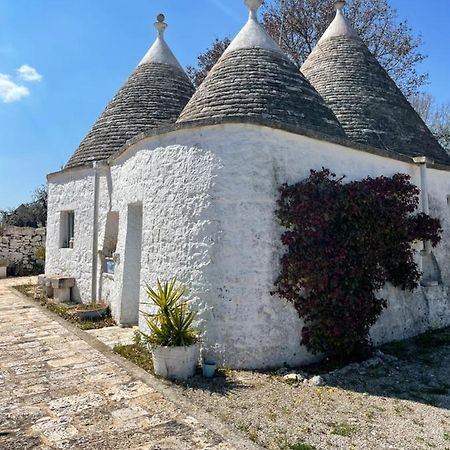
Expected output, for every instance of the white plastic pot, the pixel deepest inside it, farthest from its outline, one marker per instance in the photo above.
(177, 363)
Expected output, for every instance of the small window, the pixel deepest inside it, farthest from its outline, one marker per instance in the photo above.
(111, 233)
(110, 241)
(67, 229)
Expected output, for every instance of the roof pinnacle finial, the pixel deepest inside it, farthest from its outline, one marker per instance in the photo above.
(339, 5)
(160, 25)
(253, 6)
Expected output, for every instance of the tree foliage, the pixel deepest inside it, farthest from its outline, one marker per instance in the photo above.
(435, 115)
(32, 214)
(301, 23)
(344, 242)
(391, 41)
(206, 61)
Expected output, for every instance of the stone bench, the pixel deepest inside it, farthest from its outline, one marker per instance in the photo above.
(57, 286)
(3, 268)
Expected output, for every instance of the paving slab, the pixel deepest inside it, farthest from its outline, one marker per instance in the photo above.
(60, 388)
(112, 336)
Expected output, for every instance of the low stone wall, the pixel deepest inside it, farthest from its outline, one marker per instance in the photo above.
(18, 248)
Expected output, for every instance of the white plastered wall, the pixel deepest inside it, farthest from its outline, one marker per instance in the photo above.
(72, 191)
(209, 196)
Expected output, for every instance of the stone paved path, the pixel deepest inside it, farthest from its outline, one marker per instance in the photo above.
(112, 336)
(58, 392)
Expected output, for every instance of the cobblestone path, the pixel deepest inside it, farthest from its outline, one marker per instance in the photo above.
(58, 392)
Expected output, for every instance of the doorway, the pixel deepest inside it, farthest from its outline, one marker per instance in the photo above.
(131, 283)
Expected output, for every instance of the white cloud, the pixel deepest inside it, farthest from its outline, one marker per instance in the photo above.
(28, 73)
(11, 92)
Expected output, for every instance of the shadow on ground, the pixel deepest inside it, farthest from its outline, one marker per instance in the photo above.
(221, 384)
(415, 369)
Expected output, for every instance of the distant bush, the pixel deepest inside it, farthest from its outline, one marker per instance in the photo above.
(33, 214)
(40, 253)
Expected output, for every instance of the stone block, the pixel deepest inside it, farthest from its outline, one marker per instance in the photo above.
(62, 294)
(62, 282)
(2, 272)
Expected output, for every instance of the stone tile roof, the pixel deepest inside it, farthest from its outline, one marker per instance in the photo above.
(368, 104)
(154, 95)
(260, 83)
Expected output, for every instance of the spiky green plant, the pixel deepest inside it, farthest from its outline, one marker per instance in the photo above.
(171, 324)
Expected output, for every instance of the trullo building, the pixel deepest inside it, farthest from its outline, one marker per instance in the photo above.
(175, 182)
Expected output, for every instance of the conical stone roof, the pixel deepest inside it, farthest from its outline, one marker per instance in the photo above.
(154, 95)
(254, 78)
(368, 104)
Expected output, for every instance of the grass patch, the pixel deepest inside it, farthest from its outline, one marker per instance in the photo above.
(419, 347)
(65, 311)
(137, 354)
(344, 429)
(25, 289)
(302, 446)
(447, 437)
(93, 307)
(402, 409)
(433, 339)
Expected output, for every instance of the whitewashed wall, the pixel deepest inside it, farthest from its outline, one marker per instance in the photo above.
(71, 191)
(209, 196)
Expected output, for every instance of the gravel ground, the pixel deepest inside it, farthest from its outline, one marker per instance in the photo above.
(400, 399)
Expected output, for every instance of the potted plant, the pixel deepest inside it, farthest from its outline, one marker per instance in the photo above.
(172, 339)
(94, 311)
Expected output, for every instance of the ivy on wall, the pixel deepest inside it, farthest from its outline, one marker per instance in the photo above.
(344, 242)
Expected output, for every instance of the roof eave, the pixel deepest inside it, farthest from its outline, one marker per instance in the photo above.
(167, 129)
(275, 125)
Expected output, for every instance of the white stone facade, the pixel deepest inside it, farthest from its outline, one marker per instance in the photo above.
(208, 198)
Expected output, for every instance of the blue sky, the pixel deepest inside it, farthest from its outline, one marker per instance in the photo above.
(85, 49)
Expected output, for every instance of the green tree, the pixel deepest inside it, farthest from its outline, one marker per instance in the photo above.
(32, 214)
(435, 115)
(206, 61)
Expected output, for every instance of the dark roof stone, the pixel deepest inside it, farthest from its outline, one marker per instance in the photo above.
(260, 83)
(154, 95)
(368, 104)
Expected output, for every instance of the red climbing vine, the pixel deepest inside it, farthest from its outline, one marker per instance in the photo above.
(344, 242)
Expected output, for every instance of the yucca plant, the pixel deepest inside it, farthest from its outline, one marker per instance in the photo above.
(171, 324)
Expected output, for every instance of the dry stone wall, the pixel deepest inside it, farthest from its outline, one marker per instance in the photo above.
(18, 247)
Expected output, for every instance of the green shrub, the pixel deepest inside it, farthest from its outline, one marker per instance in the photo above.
(40, 253)
(171, 324)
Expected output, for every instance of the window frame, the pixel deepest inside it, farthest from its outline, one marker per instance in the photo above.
(67, 229)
